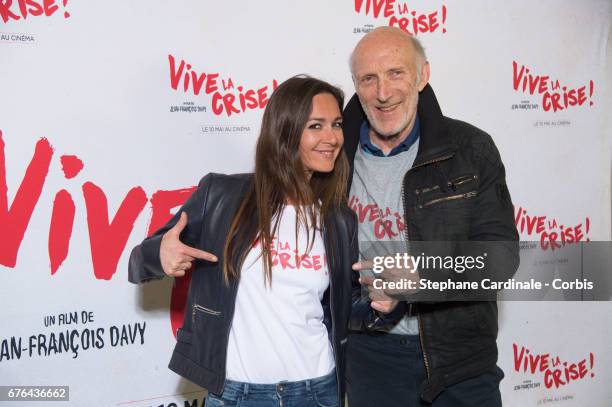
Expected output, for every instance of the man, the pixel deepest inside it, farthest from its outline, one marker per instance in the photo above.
(420, 176)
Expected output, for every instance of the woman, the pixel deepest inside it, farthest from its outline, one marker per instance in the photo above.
(267, 324)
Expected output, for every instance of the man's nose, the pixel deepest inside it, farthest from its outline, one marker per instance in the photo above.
(383, 90)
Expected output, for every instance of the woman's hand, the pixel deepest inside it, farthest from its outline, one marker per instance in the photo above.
(176, 257)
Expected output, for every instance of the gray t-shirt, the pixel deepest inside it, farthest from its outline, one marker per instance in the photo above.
(376, 198)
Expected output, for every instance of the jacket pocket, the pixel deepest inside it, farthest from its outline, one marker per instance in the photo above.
(450, 198)
(197, 308)
(452, 184)
(209, 332)
(464, 179)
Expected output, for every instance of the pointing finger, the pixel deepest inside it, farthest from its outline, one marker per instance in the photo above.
(199, 254)
(363, 265)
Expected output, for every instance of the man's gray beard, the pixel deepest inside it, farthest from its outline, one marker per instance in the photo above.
(382, 136)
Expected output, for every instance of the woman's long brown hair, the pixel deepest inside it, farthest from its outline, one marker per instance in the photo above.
(280, 177)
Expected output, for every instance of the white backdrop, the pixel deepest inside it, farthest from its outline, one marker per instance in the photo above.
(100, 84)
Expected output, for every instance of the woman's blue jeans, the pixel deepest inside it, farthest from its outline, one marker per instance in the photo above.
(317, 392)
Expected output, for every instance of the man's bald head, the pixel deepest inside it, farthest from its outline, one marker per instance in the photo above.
(389, 37)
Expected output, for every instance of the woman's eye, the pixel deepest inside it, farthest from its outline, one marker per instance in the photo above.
(314, 126)
(338, 125)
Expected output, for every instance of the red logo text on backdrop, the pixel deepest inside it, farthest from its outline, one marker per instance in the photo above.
(555, 95)
(556, 372)
(400, 14)
(226, 97)
(22, 9)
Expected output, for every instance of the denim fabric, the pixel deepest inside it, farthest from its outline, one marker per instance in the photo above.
(318, 392)
(388, 370)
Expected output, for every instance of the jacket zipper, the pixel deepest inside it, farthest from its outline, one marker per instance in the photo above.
(425, 357)
(466, 195)
(331, 308)
(205, 310)
(452, 183)
(433, 160)
(428, 189)
(463, 180)
(421, 338)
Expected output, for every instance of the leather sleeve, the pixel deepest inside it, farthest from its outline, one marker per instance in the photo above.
(492, 223)
(144, 264)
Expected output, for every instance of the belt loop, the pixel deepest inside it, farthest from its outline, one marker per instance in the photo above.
(308, 388)
(245, 389)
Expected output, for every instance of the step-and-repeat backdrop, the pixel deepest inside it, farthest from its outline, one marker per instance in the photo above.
(111, 111)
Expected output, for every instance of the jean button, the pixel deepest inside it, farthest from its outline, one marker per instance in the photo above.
(403, 341)
(280, 387)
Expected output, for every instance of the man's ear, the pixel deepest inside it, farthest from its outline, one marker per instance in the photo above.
(424, 75)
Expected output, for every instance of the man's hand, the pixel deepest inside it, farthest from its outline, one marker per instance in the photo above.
(177, 257)
(385, 300)
(380, 301)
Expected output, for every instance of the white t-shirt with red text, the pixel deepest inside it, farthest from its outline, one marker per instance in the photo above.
(277, 331)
